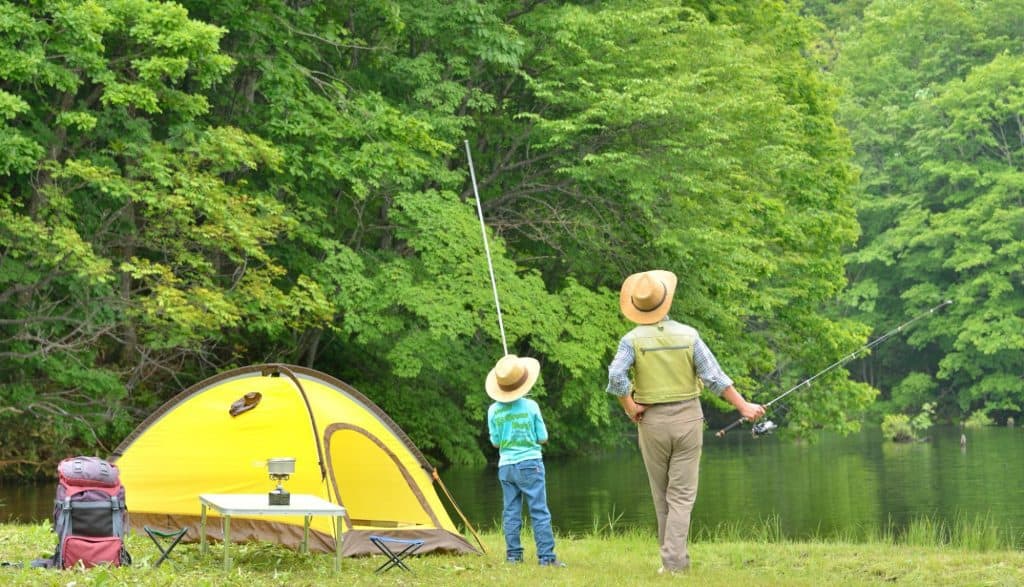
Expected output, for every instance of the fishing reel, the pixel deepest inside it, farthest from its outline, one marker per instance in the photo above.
(762, 428)
(765, 426)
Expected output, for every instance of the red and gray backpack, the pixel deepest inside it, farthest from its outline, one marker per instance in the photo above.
(89, 514)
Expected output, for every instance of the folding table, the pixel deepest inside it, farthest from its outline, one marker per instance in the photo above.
(257, 504)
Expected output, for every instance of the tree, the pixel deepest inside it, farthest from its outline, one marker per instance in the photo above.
(688, 139)
(934, 107)
(129, 237)
(220, 182)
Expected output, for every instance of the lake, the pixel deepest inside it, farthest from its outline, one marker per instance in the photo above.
(834, 486)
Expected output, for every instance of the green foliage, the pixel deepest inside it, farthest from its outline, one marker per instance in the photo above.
(909, 394)
(978, 419)
(896, 427)
(904, 428)
(135, 244)
(922, 421)
(684, 147)
(200, 184)
(934, 97)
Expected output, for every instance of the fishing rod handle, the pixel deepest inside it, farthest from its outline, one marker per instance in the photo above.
(723, 431)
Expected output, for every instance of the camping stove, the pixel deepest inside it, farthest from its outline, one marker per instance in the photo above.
(280, 469)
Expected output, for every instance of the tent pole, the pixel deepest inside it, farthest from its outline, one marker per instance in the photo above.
(309, 409)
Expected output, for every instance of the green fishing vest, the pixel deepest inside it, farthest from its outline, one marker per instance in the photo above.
(663, 370)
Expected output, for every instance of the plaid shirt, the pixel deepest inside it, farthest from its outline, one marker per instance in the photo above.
(708, 369)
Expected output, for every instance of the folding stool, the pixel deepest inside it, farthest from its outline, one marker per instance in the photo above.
(395, 556)
(174, 536)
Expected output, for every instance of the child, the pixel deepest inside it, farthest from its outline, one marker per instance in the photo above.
(517, 430)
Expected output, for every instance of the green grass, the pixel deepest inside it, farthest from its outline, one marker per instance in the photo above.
(971, 552)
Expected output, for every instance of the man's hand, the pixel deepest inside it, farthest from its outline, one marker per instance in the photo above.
(633, 410)
(638, 412)
(751, 412)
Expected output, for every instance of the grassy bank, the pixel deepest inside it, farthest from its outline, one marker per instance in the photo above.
(628, 558)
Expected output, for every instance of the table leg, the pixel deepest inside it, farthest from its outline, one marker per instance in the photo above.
(305, 536)
(227, 542)
(202, 530)
(337, 544)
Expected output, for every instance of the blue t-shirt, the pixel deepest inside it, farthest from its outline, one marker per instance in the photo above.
(517, 429)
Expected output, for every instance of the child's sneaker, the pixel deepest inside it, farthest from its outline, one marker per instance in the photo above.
(554, 562)
(513, 560)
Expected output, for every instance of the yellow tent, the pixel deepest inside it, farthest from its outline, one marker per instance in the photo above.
(216, 437)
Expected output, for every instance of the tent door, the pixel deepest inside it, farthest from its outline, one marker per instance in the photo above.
(371, 477)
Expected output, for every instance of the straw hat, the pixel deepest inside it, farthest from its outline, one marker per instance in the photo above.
(511, 378)
(646, 297)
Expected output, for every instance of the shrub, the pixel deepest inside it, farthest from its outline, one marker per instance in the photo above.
(903, 428)
(896, 427)
(978, 419)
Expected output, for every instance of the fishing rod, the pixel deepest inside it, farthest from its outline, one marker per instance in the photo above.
(487, 249)
(767, 426)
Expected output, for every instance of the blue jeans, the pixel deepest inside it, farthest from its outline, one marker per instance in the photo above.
(526, 480)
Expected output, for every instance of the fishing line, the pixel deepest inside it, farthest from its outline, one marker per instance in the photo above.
(840, 362)
(487, 248)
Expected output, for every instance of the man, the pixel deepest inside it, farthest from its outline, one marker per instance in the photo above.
(671, 365)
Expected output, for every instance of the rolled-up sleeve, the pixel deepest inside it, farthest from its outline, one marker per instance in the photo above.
(618, 371)
(708, 369)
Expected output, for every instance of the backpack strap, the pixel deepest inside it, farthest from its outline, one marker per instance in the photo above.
(62, 526)
(115, 508)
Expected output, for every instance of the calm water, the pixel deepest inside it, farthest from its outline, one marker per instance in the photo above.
(835, 485)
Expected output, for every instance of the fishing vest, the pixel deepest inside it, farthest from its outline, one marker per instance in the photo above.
(663, 369)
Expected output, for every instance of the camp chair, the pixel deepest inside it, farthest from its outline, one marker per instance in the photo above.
(395, 556)
(159, 537)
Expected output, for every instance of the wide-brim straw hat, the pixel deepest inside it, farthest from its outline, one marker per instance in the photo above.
(646, 297)
(512, 377)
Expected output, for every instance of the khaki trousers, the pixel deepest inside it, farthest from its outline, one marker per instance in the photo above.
(671, 437)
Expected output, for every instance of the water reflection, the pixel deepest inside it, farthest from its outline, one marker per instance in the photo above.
(854, 486)
(812, 489)
(26, 503)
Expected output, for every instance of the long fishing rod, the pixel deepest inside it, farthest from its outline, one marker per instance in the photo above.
(840, 362)
(487, 248)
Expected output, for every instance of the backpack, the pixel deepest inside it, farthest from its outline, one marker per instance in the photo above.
(89, 514)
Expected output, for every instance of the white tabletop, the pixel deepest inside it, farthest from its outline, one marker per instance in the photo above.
(259, 504)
